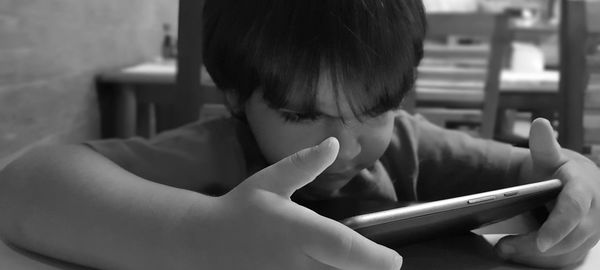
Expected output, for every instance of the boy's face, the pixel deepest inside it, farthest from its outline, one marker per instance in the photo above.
(282, 132)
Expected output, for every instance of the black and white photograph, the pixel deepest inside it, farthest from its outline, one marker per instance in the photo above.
(299, 134)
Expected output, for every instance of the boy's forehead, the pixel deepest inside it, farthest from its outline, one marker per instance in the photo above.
(329, 104)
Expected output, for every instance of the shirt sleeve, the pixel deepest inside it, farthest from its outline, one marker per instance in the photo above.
(452, 163)
(206, 159)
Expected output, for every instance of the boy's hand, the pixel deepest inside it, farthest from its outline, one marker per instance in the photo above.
(573, 226)
(256, 226)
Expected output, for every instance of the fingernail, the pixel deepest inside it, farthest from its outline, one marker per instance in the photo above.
(507, 249)
(398, 262)
(544, 244)
(327, 142)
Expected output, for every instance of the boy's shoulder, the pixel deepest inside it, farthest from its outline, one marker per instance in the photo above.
(208, 130)
(211, 149)
(198, 136)
(413, 125)
(428, 137)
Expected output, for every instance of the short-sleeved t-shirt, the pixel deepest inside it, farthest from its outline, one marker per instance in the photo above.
(422, 162)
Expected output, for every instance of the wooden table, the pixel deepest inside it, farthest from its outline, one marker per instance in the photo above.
(139, 100)
(461, 252)
(472, 250)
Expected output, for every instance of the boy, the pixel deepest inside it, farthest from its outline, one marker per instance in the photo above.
(296, 73)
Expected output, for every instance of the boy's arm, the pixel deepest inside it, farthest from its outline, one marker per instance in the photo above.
(73, 204)
(573, 226)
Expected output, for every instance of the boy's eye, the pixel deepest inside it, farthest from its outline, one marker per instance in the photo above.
(296, 117)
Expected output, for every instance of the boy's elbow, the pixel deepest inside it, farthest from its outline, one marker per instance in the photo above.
(18, 182)
(12, 182)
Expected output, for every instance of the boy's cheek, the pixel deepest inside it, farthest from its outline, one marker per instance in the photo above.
(275, 148)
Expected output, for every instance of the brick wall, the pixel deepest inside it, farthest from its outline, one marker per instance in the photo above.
(50, 51)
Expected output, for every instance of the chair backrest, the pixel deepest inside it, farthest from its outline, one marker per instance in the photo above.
(464, 68)
(580, 36)
(189, 62)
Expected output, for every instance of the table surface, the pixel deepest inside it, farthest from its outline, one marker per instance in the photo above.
(150, 72)
(164, 72)
(457, 252)
(468, 251)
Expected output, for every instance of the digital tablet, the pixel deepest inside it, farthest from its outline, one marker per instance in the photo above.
(401, 223)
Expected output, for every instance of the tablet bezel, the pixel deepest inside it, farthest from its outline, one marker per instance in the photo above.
(435, 207)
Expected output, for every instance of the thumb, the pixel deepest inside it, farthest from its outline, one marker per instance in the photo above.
(513, 247)
(545, 150)
(296, 170)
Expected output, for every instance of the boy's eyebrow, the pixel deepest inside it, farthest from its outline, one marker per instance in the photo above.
(318, 112)
(300, 112)
(377, 110)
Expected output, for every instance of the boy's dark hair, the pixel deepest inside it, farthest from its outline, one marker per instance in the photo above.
(283, 46)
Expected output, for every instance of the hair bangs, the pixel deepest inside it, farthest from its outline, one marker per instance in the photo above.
(369, 49)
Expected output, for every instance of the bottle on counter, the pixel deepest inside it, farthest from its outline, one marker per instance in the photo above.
(169, 45)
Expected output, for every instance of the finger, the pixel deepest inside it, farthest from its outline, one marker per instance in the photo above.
(341, 247)
(297, 170)
(572, 206)
(545, 150)
(366, 254)
(510, 246)
(524, 252)
(317, 265)
(577, 237)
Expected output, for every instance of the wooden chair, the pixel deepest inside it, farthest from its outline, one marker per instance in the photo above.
(138, 102)
(189, 61)
(580, 36)
(192, 96)
(460, 83)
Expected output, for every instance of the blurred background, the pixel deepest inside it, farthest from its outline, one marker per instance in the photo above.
(50, 53)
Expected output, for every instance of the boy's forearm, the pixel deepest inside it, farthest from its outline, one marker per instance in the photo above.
(80, 207)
